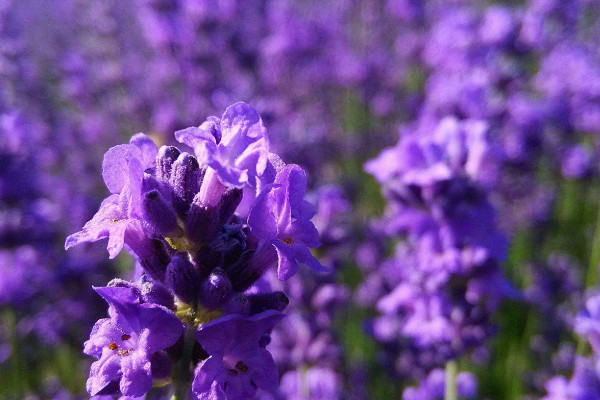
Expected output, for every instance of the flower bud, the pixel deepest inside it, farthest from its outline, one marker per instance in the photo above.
(229, 202)
(182, 277)
(156, 293)
(215, 290)
(231, 242)
(153, 254)
(242, 274)
(201, 222)
(185, 181)
(267, 301)
(159, 213)
(164, 161)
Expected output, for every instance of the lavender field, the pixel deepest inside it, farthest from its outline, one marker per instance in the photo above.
(299, 199)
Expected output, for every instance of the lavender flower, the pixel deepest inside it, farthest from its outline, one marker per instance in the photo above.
(197, 257)
(279, 217)
(126, 342)
(237, 365)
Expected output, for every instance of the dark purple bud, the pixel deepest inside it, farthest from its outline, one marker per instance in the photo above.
(159, 213)
(215, 290)
(231, 242)
(155, 262)
(267, 301)
(164, 161)
(185, 181)
(264, 340)
(151, 183)
(183, 278)
(157, 293)
(237, 304)
(207, 259)
(242, 274)
(202, 222)
(123, 283)
(229, 202)
(160, 365)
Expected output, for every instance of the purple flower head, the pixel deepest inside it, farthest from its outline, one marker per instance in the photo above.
(126, 342)
(280, 217)
(123, 172)
(237, 365)
(432, 387)
(236, 146)
(587, 323)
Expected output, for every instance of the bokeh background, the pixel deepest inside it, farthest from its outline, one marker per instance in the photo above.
(336, 83)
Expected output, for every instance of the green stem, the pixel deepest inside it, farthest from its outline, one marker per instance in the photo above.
(451, 373)
(592, 272)
(182, 377)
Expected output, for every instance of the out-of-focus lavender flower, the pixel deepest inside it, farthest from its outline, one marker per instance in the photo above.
(442, 286)
(432, 387)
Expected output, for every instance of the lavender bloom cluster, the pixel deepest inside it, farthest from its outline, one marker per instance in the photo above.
(444, 282)
(585, 381)
(203, 229)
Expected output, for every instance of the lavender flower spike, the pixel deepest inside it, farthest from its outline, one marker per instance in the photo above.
(235, 147)
(125, 343)
(237, 365)
(279, 217)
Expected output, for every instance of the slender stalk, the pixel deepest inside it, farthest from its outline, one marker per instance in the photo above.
(451, 373)
(592, 272)
(182, 377)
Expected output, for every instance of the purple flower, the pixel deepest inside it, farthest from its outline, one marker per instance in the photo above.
(236, 147)
(587, 322)
(123, 172)
(280, 217)
(237, 365)
(432, 387)
(125, 343)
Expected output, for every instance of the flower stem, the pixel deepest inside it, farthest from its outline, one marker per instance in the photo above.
(182, 376)
(451, 372)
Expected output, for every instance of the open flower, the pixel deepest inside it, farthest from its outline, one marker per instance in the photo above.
(237, 365)
(123, 171)
(125, 343)
(280, 217)
(236, 146)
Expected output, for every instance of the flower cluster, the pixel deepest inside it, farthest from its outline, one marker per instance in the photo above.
(585, 382)
(444, 282)
(203, 229)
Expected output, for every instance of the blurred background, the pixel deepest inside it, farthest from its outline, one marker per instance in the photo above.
(336, 83)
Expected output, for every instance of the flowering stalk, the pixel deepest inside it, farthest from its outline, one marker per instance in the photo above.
(451, 373)
(196, 306)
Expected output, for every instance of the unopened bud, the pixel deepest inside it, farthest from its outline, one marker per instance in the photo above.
(215, 290)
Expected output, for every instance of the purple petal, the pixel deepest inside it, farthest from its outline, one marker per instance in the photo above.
(264, 371)
(205, 374)
(115, 165)
(244, 144)
(304, 256)
(236, 331)
(163, 326)
(147, 147)
(124, 306)
(137, 375)
(261, 218)
(101, 336)
(103, 372)
(303, 231)
(286, 254)
(99, 226)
